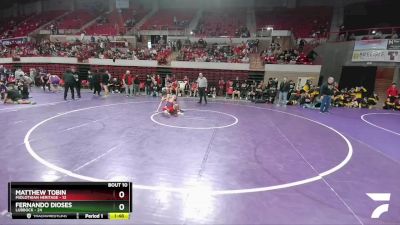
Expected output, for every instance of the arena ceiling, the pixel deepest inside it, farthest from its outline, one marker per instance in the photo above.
(7, 3)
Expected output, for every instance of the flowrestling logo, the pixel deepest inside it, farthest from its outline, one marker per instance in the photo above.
(380, 197)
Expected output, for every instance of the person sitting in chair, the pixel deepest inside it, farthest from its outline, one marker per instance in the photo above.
(236, 90)
(194, 89)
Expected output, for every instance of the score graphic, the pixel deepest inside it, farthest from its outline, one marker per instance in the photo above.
(70, 200)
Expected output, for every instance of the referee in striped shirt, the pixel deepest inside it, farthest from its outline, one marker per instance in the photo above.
(202, 84)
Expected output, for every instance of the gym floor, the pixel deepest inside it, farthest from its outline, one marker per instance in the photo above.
(227, 162)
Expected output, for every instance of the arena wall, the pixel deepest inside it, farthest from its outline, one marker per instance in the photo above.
(335, 55)
(297, 73)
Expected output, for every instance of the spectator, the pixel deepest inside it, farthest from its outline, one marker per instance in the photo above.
(236, 88)
(284, 87)
(19, 72)
(326, 95)
(221, 85)
(105, 80)
(136, 84)
(148, 84)
(127, 81)
(97, 82)
(90, 79)
(392, 91)
(33, 74)
(245, 59)
(114, 85)
(78, 82)
(3, 89)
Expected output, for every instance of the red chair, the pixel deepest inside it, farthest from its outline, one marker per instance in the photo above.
(85, 84)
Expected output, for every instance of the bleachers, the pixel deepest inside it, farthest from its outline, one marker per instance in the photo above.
(8, 24)
(227, 54)
(115, 22)
(304, 22)
(25, 25)
(33, 22)
(164, 19)
(221, 23)
(76, 19)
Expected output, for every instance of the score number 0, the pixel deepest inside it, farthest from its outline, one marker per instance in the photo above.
(121, 195)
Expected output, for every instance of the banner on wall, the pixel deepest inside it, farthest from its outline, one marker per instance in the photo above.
(375, 44)
(379, 50)
(393, 44)
(14, 41)
(376, 56)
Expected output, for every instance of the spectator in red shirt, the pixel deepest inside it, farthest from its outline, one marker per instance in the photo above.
(127, 81)
(392, 91)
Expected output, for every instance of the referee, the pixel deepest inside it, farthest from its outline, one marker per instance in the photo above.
(202, 84)
(69, 83)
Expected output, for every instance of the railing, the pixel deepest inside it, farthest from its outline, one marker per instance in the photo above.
(347, 35)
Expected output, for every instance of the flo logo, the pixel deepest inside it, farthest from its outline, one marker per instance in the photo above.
(380, 197)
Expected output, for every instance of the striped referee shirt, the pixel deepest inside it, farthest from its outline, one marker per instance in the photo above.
(202, 82)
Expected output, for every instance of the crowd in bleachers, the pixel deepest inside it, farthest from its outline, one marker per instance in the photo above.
(46, 48)
(201, 51)
(7, 25)
(102, 49)
(274, 54)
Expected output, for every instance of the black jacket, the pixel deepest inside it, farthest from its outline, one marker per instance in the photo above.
(96, 78)
(136, 81)
(284, 86)
(326, 89)
(69, 78)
